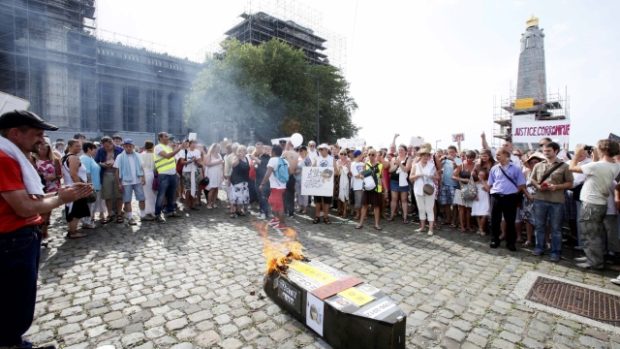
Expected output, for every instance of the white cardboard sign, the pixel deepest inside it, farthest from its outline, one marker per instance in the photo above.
(532, 131)
(317, 181)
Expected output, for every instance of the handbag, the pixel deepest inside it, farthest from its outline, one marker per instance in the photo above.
(469, 191)
(155, 185)
(428, 189)
(369, 179)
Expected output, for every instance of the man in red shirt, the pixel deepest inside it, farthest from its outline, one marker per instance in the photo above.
(21, 203)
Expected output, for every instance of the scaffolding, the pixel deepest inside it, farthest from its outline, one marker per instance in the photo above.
(556, 107)
(51, 56)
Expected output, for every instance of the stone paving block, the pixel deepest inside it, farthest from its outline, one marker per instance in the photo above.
(207, 339)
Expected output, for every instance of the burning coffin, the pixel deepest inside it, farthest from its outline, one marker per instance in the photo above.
(344, 310)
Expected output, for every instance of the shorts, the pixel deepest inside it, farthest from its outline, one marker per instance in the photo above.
(276, 200)
(372, 198)
(133, 188)
(79, 209)
(398, 189)
(446, 195)
(327, 200)
(109, 188)
(358, 196)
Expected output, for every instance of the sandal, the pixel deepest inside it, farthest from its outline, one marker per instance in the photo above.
(75, 235)
(326, 220)
(405, 221)
(391, 219)
(106, 220)
(359, 226)
(316, 220)
(120, 219)
(378, 227)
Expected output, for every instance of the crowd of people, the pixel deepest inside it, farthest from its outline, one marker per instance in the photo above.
(535, 198)
(516, 196)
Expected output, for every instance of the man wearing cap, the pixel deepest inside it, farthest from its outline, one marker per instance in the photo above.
(22, 202)
(165, 165)
(130, 179)
(551, 178)
(110, 192)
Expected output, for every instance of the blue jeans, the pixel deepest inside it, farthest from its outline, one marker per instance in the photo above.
(19, 267)
(167, 188)
(552, 213)
(262, 198)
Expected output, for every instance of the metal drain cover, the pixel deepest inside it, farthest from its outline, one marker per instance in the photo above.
(582, 301)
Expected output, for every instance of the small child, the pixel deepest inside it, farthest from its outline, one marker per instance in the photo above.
(480, 207)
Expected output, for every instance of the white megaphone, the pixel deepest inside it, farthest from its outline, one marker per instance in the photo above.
(297, 139)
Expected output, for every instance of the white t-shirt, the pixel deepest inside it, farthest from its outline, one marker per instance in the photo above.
(158, 149)
(356, 169)
(428, 173)
(274, 183)
(134, 162)
(599, 176)
(579, 178)
(191, 155)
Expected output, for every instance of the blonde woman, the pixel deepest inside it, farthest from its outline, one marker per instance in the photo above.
(214, 170)
(424, 172)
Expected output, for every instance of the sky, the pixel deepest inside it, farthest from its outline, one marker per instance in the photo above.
(425, 68)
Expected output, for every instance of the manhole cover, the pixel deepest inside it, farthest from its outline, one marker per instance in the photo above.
(586, 302)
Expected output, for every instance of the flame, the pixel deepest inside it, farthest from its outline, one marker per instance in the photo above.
(278, 254)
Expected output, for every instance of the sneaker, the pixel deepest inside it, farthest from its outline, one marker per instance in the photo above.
(419, 230)
(616, 281)
(581, 259)
(262, 216)
(537, 252)
(148, 217)
(430, 233)
(554, 258)
(160, 219)
(131, 221)
(588, 265)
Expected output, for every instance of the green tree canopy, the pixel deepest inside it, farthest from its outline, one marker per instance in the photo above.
(266, 91)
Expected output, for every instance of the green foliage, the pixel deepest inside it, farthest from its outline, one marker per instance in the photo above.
(269, 90)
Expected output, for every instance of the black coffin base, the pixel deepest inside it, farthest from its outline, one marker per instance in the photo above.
(342, 328)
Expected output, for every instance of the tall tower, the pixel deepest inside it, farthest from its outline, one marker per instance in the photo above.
(532, 81)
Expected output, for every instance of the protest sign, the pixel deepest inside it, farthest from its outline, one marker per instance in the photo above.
(317, 181)
(9, 102)
(351, 143)
(524, 131)
(416, 141)
(459, 137)
(613, 137)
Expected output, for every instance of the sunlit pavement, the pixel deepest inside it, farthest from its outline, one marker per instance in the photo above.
(196, 282)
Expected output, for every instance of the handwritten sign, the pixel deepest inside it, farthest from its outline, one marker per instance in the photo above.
(533, 131)
(459, 137)
(317, 181)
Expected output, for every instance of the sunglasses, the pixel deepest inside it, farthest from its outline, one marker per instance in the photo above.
(372, 154)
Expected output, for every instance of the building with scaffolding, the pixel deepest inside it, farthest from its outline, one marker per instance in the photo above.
(49, 55)
(531, 102)
(260, 27)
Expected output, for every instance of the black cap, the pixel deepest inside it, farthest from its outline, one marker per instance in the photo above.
(17, 118)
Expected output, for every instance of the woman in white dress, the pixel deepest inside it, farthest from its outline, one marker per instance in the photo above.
(150, 196)
(344, 167)
(214, 170)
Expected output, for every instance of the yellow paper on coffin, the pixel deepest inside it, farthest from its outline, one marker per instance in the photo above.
(312, 272)
(356, 296)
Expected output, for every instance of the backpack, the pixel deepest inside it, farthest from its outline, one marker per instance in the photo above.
(281, 171)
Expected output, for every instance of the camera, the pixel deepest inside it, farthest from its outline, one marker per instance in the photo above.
(588, 148)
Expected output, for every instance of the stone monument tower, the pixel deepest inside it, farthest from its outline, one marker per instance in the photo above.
(532, 82)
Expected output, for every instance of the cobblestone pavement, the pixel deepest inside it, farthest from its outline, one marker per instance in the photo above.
(196, 282)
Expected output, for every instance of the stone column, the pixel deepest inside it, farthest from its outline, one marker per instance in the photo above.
(118, 107)
(141, 109)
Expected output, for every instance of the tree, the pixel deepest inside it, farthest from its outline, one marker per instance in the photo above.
(267, 91)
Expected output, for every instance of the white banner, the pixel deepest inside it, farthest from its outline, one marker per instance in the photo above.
(9, 103)
(317, 181)
(532, 131)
